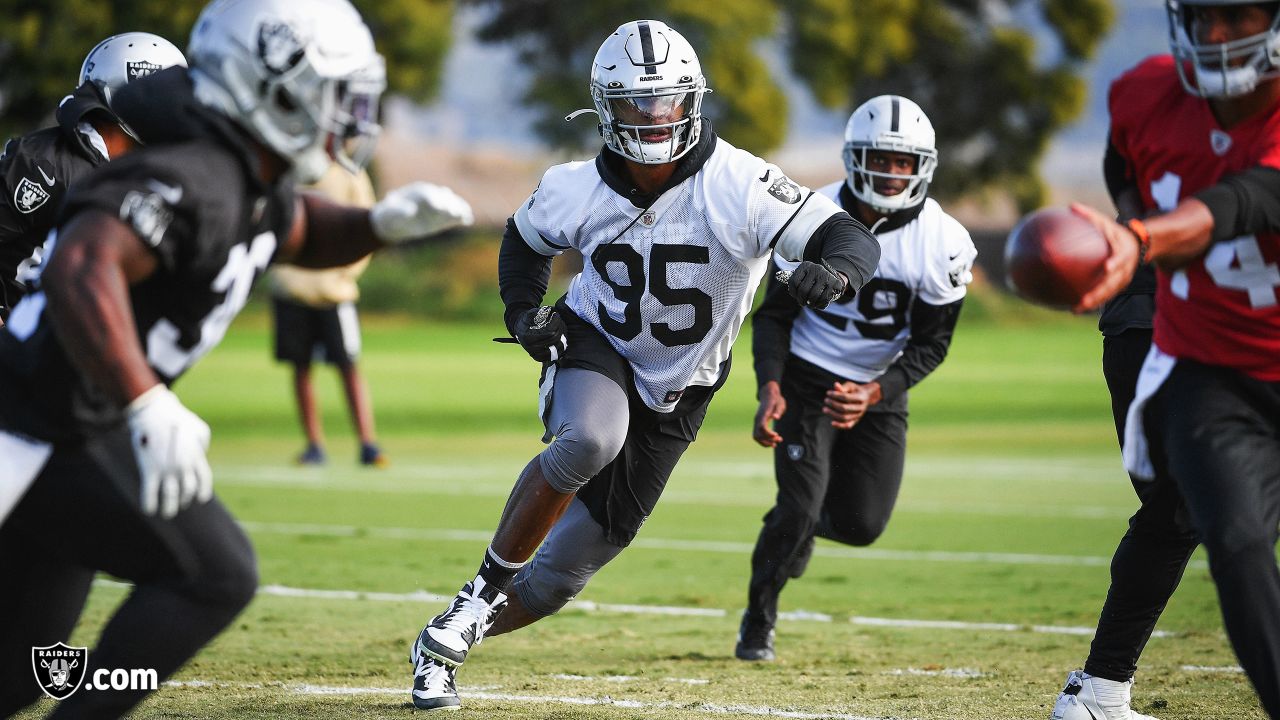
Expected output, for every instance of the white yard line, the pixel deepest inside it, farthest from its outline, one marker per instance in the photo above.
(1213, 668)
(711, 546)
(421, 596)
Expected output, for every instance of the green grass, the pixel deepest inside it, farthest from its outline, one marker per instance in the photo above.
(1012, 482)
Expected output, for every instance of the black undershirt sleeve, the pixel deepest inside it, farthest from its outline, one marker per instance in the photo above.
(771, 330)
(847, 246)
(1118, 175)
(523, 275)
(931, 329)
(1245, 203)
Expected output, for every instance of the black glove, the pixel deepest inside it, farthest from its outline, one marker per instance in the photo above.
(541, 333)
(815, 285)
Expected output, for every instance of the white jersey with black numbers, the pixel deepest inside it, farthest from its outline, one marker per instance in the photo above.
(670, 285)
(930, 259)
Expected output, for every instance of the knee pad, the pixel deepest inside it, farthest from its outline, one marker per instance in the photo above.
(577, 455)
(856, 531)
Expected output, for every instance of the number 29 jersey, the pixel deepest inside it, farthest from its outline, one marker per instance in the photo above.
(1221, 308)
(669, 285)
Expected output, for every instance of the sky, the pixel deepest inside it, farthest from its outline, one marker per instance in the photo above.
(483, 109)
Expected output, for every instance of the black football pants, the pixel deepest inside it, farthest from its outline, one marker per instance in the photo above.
(837, 484)
(1149, 561)
(192, 575)
(1221, 431)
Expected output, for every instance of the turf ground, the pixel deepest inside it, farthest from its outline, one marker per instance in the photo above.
(976, 602)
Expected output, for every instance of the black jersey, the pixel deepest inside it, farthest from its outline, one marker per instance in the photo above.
(36, 170)
(193, 196)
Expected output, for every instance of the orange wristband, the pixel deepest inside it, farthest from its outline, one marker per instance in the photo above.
(1139, 229)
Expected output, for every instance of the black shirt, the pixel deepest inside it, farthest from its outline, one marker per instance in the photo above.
(193, 196)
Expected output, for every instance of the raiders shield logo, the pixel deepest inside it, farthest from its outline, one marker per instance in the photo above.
(59, 669)
(795, 451)
(29, 196)
(785, 190)
(279, 47)
(141, 68)
(1219, 141)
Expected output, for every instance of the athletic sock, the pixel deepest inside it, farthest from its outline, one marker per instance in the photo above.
(496, 572)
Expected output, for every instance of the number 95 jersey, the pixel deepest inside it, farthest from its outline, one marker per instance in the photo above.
(927, 259)
(669, 285)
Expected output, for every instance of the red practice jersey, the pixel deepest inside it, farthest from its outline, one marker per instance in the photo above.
(1222, 308)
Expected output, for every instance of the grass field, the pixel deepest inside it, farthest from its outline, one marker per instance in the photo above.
(975, 603)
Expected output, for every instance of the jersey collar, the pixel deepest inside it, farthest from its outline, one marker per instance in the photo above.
(890, 223)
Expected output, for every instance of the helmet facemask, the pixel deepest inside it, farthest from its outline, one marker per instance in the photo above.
(651, 126)
(862, 179)
(1221, 70)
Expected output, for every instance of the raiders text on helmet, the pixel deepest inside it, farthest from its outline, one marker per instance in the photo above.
(1226, 69)
(894, 124)
(303, 78)
(647, 87)
(126, 57)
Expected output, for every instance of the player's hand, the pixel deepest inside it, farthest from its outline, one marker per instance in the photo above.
(847, 402)
(1120, 266)
(169, 442)
(772, 407)
(542, 334)
(417, 210)
(815, 284)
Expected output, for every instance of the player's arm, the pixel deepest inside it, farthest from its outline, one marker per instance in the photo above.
(328, 234)
(847, 247)
(770, 345)
(523, 276)
(87, 285)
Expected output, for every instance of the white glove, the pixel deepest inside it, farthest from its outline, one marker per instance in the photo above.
(417, 210)
(169, 442)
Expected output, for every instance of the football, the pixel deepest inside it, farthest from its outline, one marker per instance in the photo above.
(1053, 256)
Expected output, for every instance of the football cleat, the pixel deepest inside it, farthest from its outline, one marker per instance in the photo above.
(313, 455)
(452, 633)
(1086, 697)
(755, 640)
(434, 683)
(371, 456)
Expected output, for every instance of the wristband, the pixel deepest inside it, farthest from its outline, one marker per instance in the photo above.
(1140, 231)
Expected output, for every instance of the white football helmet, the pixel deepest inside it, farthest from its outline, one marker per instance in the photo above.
(894, 124)
(1215, 68)
(303, 78)
(647, 87)
(125, 57)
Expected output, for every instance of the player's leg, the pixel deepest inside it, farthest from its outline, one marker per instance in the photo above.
(192, 574)
(42, 600)
(801, 468)
(589, 420)
(1149, 560)
(294, 344)
(341, 333)
(1221, 434)
(866, 475)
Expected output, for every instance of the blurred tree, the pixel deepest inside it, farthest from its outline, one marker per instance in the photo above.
(43, 43)
(557, 39)
(994, 97)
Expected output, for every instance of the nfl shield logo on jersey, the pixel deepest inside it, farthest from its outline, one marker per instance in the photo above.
(1219, 141)
(59, 669)
(29, 196)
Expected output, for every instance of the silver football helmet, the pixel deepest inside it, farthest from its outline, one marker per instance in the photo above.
(126, 57)
(1221, 70)
(303, 78)
(890, 123)
(647, 87)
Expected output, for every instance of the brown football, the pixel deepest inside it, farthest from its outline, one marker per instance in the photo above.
(1053, 257)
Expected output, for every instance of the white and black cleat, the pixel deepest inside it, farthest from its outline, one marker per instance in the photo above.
(451, 634)
(435, 684)
(1086, 697)
(755, 640)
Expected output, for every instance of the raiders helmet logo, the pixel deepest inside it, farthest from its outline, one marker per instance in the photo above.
(279, 47)
(138, 69)
(785, 190)
(59, 669)
(29, 196)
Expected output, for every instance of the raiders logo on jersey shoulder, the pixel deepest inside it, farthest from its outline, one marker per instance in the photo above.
(785, 190)
(29, 196)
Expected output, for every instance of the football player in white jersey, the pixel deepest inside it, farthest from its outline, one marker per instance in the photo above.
(676, 227)
(835, 380)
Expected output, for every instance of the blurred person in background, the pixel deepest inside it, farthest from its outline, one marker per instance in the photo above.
(833, 382)
(314, 314)
(36, 169)
(102, 467)
(1193, 166)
